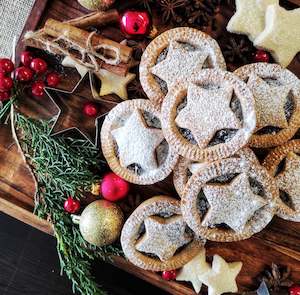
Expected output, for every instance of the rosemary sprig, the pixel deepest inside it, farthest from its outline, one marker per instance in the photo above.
(62, 167)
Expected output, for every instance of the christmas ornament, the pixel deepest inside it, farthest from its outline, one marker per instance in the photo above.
(135, 23)
(294, 290)
(26, 58)
(261, 56)
(169, 275)
(71, 205)
(96, 189)
(96, 4)
(5, 95)
(37, 88)
(193, 269)
(53, 79)
(38, 65)
(6, 66)
(90, 109)
(113, 187)
(24, 74)
(100, 222)
(6, 83)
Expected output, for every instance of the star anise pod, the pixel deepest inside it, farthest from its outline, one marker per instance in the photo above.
(136, 90)
(169, 9)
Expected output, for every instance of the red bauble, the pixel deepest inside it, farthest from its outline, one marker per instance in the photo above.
(135, 23)
(90, 109)
(261, 56)
(71, 205)
(6, 66)
(37, 88)
(53, 79)
(6, 83)
(294, 290)
(26, 58)
(113, 187)
(4, 95)
(38, 65)
(24, 74)
(169, 275)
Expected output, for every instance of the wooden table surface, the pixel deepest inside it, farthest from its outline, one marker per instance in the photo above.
(278, 243)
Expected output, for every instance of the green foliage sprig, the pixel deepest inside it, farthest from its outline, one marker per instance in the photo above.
(62, 167)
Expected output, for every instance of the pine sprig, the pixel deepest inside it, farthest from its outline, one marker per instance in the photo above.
(62, 167)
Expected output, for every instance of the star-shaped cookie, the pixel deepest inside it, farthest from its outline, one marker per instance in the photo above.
(179, 64)
(233, 204)
(193, 269)
(114, 84)
(281, 35)
(206, 112)
(222, 276)
(289, 179)
(249, 18)
(137, 142)
(269, 102)
(163, 236)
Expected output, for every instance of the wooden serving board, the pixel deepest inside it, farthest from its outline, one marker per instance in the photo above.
(278, 243)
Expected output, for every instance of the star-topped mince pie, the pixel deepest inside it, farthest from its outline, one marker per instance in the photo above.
(174, 56)
(229, 200)
(277, 102)
(210, 117)
(155, 237)
(133, 143)
(284, 164)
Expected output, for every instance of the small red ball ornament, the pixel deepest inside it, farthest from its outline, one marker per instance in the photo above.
(26, 58)
(71, 205)
(24, 74)
(53, 79)
(135, 23)
(169, 275)
(4, 95)
(38, 65)
(6, 83)
(90, 109)
(6, 66)
(37, 88)
(294, 290)
(113, 187)
(261, 56)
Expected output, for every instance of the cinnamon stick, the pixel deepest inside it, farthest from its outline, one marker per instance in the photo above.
(97, 18)
(58, 29)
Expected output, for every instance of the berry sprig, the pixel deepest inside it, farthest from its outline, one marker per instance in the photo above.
(33, 73)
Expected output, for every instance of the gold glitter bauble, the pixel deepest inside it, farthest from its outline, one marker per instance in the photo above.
(101, 223)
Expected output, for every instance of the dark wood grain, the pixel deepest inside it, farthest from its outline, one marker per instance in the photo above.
(279, 242)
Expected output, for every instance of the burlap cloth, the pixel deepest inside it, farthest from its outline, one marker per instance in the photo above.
(13, 15)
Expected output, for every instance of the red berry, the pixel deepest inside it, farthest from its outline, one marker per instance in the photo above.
(26, 58)
(4, 95)
(71, 205)
(113, 187)
(90, 109)
(53, 79)
(37, 88)
(6, 66)
(169, 275)
(6, 83)
(294, 290)
(38, 65)
(261, 56)
(135, 22)
(24, 74)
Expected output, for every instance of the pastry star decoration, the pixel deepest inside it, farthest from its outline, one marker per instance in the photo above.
(269, 102)
(221, 278)
(206, 112)
(249, 18)
(179, 64)
(137, 142)
(190, 271)
(233, 204)
(289, 179)
(281, 35)
(114, 84)
(163, 236)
